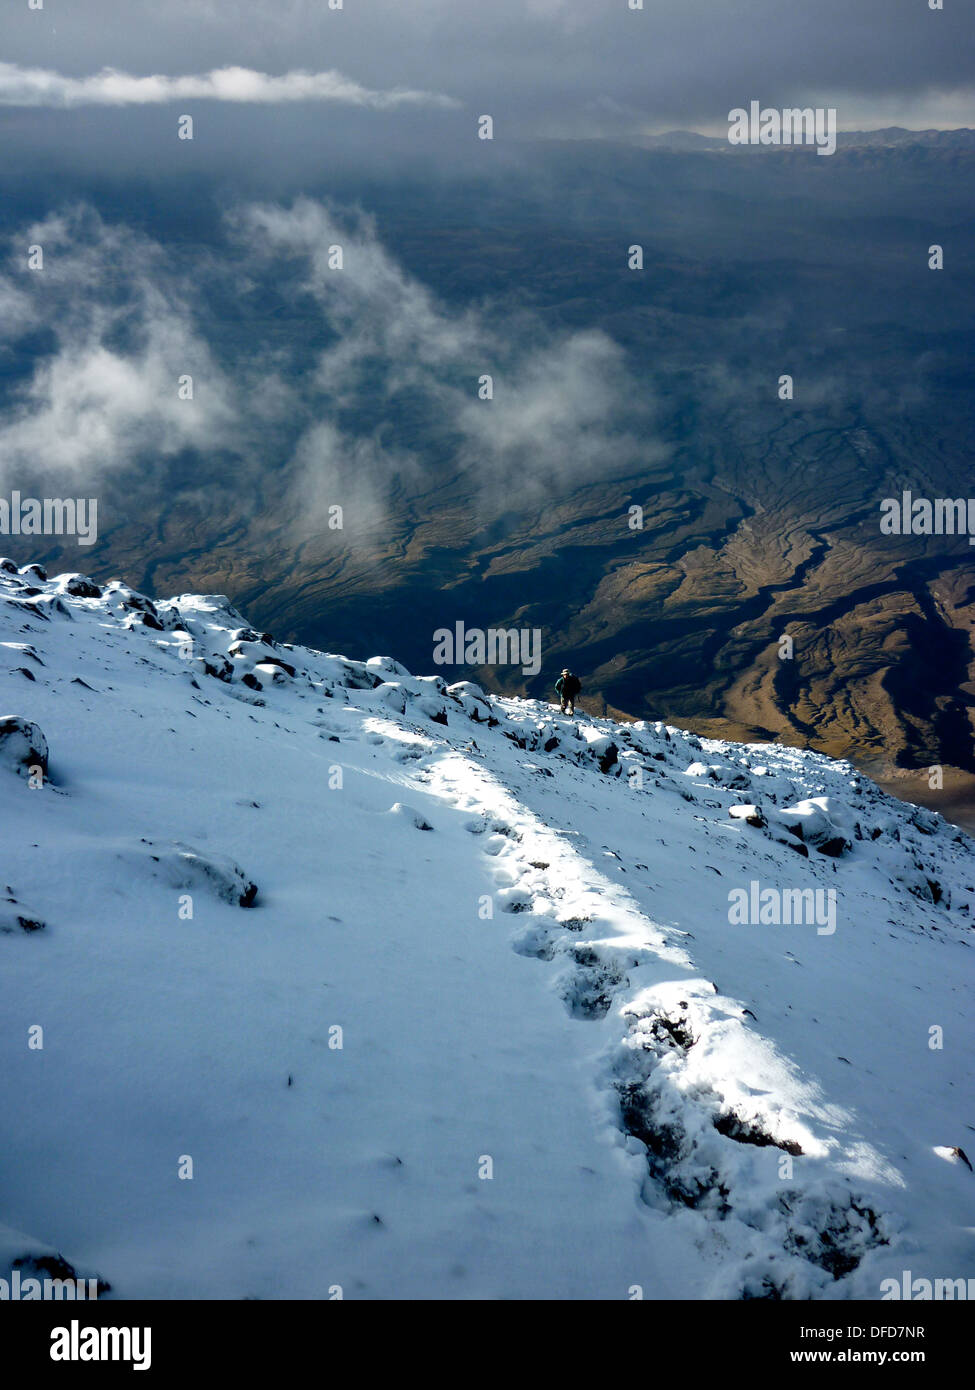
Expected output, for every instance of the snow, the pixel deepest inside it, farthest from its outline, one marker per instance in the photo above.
(440, 992)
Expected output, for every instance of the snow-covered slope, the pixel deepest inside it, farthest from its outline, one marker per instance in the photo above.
(450, 996)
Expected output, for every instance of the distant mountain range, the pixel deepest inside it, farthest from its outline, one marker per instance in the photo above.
(889, 137)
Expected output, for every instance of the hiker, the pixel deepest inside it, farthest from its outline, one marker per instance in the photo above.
(567, 687)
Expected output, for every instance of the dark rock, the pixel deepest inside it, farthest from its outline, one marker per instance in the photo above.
(732, 1126)
(22, 744)
(53, 1267)
(223, 672)
(609, 758)
(80, 586)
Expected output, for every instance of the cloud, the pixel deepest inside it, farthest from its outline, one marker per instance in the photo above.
(364, 394)
(354, 470)
(121, 329)
(45, 87)
(375, 310)
(553, 420)
(398, 355)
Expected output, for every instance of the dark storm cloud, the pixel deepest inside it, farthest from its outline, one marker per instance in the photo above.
(559, 67)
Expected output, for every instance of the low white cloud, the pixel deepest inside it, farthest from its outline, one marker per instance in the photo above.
(555, 419)
(381, 411)
(558, 400)
(123, 336)
(44, 87)
(377, 312)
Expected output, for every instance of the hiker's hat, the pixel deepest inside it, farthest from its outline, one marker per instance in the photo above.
(565, 670)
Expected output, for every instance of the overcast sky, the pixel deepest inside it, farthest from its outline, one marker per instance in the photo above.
(540, 67)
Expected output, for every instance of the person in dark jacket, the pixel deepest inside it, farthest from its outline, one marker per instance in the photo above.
(567, 687)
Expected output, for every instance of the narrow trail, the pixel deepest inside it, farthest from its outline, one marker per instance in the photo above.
(673, 1054)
